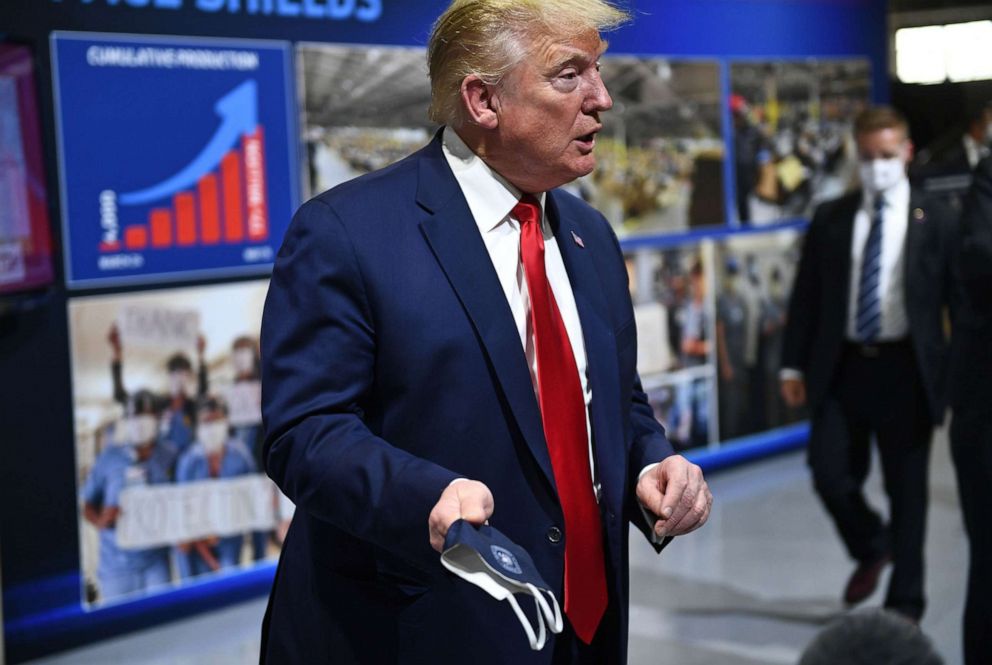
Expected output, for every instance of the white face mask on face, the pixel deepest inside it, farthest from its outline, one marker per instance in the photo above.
(881, 175)
(178, 383)
(212, 435)
(244, 361)
(140, 429)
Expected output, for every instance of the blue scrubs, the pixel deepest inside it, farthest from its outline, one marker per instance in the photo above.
(122, 571)
(193, 466)
(177, 428)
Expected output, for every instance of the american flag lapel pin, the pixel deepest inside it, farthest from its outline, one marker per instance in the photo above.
(578, 240)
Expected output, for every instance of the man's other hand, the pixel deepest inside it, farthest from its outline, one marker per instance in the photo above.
(676, 492)
(793, 392)
(467, 500)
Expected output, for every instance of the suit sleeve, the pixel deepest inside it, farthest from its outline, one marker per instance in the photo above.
(318, 366)
(804, 305)
(975, 244)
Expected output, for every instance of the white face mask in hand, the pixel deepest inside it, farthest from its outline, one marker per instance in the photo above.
(486, 558)
(881, 175)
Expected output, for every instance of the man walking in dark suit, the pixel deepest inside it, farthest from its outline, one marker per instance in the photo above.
(865, 345)
(971, 395)
(452, 337)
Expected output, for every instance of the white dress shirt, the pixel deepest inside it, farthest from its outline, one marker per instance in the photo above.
(491, 199)
(891, 283)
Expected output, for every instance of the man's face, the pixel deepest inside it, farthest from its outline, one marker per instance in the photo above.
(548, 110)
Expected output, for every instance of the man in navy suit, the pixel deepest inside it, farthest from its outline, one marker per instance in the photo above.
(452, 337)
(865, 344)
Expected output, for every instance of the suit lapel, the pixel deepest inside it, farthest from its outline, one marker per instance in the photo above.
(454, 239)
(597, 333)
(843, 240)
(914, 239)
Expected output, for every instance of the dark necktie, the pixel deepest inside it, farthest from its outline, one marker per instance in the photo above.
(868, 322)
(563, 414)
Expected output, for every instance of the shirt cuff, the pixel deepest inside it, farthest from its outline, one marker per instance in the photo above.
(787, 373)
(649, 517)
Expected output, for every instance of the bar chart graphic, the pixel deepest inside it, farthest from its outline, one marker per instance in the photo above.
(219, 198)
(197, 173)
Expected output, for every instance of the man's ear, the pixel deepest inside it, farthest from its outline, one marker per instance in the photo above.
(479, 102)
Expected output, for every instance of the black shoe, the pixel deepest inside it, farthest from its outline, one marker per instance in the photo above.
(864, 579)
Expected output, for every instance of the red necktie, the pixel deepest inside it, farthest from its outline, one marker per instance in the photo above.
(563, 413)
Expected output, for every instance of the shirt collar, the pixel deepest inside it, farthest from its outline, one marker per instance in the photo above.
(974, 151)
(489, 195)
(897, 196)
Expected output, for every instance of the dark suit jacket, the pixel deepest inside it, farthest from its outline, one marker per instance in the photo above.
(818, 307)
(971, 389)
(943, 173)
(391, 366)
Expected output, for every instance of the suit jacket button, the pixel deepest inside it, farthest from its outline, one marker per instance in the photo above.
(554, 535)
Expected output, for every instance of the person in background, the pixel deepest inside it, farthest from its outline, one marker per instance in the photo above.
(971, 396)
(945, 168)
(177, 408)
(136, 458)
(731, 341)
(214, 454)
(695, 343)
(751, 151)
(247, 371)
(771, 327)
(865, 345)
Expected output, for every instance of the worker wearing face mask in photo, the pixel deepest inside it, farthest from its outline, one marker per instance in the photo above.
(134, 457)
(177, 405)
(865, 347)
(731, 341)
(945, 168)
(248, 426)
(215, 454)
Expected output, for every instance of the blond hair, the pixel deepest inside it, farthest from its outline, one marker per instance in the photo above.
(489, 37)
(877, 118)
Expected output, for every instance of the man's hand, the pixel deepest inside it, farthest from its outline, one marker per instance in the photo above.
(793, 392)
(467, 500)
(677, 494)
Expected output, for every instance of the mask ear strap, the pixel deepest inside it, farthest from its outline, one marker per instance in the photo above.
(536, 641)
(552, 617)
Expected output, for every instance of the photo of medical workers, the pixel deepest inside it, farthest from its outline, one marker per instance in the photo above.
(167, 413)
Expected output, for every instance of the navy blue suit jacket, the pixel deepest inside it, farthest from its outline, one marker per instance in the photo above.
(391, 366)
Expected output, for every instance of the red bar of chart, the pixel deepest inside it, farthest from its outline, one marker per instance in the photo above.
(161, 223)
(136, 237)
(228, 206)
(184, 204)
(209, 210)
(230, 176)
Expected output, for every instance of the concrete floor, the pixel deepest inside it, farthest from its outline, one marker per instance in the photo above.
(751, 588)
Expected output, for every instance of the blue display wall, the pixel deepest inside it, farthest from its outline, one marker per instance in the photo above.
(42, 570)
